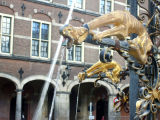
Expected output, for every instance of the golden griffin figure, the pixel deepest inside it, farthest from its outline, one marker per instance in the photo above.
(100, 67)
(106, 65)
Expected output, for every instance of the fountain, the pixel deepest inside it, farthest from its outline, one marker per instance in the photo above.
(140, 53)
(141, 48)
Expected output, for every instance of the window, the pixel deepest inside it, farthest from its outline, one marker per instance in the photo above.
(105, 6)
(78, 4)
(40, 39)
(108, 8)
(6, 33)
(102, 6)
(75, 53)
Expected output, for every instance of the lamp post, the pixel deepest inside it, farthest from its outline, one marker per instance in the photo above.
(65, 74)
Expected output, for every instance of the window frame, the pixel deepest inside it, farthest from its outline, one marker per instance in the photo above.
(49, 39)
(82, 6)
(112, 6)
(11, 34)
(74, 57)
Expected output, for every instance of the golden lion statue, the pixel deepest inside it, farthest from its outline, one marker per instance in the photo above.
(124, 25)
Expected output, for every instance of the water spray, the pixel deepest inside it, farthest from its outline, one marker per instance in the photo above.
(38, 111)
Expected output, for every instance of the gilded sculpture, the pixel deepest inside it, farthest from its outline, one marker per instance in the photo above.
(141, 48)
(124, 25)
(105, 65)
(100, 67)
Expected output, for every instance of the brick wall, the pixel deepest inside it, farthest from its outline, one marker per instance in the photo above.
(44, 12)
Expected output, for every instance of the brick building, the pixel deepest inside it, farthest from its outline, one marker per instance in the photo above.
(29, 35)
